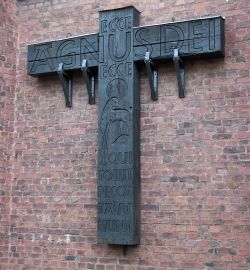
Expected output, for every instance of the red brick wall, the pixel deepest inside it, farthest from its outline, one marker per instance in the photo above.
(195, 152)
(8, 42)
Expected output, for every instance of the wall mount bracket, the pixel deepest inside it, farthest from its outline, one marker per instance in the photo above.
(180, 73)
(66, 82)
(152, 75)
(90, 81)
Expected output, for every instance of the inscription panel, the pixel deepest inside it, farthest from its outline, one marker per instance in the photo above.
(118, 155)
(45, 57)
(192, 38)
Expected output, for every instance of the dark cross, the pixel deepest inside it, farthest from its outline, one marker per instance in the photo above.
(115, 50)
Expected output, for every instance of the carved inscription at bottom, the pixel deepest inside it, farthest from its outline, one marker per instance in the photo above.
(116, 225)
(115, 175)
(113, 191)
(115, 208)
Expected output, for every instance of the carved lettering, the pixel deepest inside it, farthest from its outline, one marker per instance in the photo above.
(174, 38)
(118, 179)
(122, 175)
(88, 48)
(66, 53)
(195, 36)
(142, 36)
(115, 208)
(117, 23)
(120, 157)
(116, 226)
(42, 57)
(211, 34)
(117, 51)
(122, 69)
(114, 191)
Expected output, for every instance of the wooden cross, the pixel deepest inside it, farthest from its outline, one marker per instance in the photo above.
(115, 50)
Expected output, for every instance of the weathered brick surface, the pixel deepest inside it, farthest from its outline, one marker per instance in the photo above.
(8, 41)
(195, 151)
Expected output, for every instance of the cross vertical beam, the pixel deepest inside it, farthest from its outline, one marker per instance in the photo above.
(119, 147)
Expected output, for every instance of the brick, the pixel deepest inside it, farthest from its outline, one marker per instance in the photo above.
(221, 136)
(234, 150)
(209, 264)
(194, 151)
(70, 258)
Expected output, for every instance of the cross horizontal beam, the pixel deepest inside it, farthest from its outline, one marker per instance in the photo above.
(194, 38)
